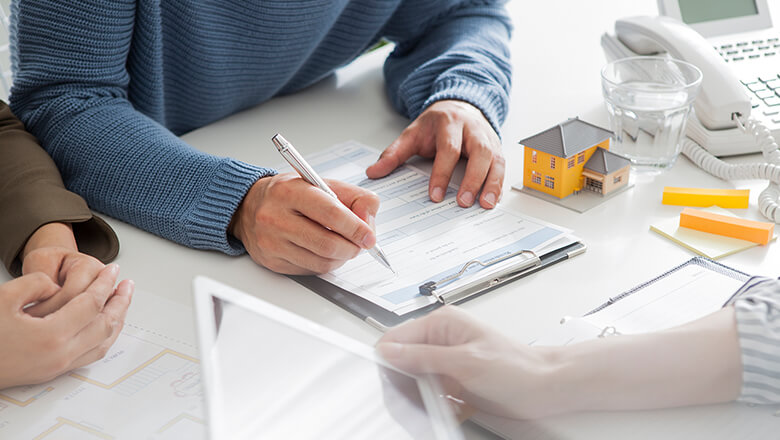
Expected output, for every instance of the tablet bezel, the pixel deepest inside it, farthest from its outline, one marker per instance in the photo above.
(205, 289)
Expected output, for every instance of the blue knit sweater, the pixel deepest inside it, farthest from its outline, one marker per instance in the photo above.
(107, 85)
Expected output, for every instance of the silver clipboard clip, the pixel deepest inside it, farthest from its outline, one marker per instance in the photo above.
(447, 291)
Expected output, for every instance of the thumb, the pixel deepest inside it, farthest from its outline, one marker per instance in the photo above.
(396, 154)
(420, 358)
(28, 289)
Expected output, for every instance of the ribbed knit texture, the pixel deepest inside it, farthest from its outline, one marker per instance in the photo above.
(107, 86)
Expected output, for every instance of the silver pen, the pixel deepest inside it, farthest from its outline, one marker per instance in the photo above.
(307, 173)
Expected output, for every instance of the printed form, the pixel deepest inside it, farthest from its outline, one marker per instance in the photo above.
(424, 241)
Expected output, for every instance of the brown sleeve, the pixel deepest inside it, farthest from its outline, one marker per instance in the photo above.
(32, 194)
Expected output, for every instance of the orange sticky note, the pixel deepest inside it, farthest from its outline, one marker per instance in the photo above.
(725, 198)
(750, 230)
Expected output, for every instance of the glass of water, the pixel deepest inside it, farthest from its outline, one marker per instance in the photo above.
(648, 102)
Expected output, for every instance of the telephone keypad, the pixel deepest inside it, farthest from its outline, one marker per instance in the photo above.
(748, 49)
(764, 92)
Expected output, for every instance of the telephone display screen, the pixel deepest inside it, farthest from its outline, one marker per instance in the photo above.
(698, 11)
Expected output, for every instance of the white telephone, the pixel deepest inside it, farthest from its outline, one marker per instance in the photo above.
(721, 120)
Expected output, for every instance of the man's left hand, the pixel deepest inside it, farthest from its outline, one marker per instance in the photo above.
(445, 131)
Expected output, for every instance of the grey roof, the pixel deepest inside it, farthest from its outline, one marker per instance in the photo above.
(605, 162)
(568, 138)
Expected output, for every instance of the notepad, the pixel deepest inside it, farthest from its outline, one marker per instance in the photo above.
(685, 293)
(425, 241)
(703, 243)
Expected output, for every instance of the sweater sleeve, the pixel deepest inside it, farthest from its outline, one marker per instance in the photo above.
(71, 90)
(450, 49)
(757, 309)
(32, 194)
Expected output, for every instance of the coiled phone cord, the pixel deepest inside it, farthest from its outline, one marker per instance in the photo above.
(769, 198)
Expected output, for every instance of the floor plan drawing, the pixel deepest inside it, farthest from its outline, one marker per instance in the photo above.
(152, 375)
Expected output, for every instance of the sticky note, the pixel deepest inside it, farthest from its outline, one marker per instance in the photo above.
(703, 197)
(703, 243)
(750, 230)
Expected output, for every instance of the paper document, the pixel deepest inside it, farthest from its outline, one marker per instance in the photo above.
(146, 387)
(681, 296)
(424, 241)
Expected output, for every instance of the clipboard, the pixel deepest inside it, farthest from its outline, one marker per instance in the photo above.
(444, 291)
(703, 262)
(656, 313)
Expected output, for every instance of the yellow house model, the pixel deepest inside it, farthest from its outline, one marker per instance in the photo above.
(570, 157)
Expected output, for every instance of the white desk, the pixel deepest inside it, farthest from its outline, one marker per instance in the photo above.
(557, 58)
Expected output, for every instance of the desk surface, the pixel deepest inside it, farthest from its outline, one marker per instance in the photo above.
(557, 58)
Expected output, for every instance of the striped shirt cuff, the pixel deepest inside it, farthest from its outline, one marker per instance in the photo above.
(757, 307)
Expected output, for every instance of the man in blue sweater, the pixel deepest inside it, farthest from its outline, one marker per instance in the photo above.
(107, 87)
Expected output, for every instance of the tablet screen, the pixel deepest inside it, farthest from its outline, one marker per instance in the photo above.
(272, 380)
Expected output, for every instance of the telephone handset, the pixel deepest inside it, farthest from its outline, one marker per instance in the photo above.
(721, 93)
(721, 119)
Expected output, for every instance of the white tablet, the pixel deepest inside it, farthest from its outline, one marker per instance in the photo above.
(271, 374)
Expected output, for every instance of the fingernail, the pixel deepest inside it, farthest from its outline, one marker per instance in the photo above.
(437, 195)
(467, 198)
(113, 269)
(371, 220)
(389, 350)
(490, 199)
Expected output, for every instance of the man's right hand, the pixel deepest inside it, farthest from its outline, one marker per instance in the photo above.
(293, 227)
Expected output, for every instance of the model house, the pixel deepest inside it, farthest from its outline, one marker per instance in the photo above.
(570, 157)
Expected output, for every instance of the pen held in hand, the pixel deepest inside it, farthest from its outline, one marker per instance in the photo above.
(307, 173)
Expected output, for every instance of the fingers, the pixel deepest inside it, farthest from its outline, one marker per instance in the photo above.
(494, 183)
(82, 309)
(449, 130)
(420, 358)
(76, 274)
(446, 326)
(484, 169)
(290, 226)
(335, 216)
(294, 259)
(397, 153)
(94, 340)
(362, 202)
(448, 147)
(30, 288)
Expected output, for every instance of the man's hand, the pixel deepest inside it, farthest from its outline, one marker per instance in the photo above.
(37, 349)
(293, 227)
(52, 251)
(445, 131)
